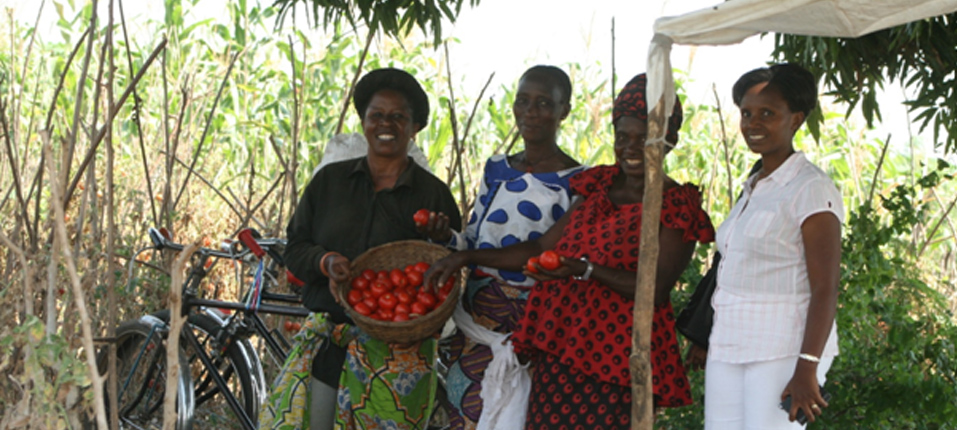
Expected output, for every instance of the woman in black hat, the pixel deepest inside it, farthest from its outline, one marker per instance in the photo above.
(347, 208)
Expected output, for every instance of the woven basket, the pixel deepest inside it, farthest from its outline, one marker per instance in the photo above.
(398, 255)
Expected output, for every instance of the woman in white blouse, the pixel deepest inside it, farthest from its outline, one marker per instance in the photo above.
(774, 331)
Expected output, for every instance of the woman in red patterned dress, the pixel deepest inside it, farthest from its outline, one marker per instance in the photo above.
(577, 323)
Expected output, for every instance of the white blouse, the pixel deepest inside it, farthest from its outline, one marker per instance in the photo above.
(763, 293)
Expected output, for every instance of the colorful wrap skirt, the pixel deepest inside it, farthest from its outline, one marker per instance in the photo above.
(381, 386)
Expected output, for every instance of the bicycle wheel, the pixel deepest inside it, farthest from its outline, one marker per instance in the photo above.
(141, 376)
(211, 409)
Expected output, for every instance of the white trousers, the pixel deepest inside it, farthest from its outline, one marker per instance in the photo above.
(747, 396)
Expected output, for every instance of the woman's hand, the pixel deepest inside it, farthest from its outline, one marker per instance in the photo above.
(697, 357)
(569, 267)
(437, 228)
(338, 268)
(443, 269)
(804, 391)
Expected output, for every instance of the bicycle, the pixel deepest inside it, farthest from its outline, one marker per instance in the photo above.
(220, 367)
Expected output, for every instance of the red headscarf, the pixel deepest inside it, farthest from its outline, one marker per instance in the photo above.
(631, 102)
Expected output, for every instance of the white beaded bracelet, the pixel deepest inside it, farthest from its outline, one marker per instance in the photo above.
(809, 357)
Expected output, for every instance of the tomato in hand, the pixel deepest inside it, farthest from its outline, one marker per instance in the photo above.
(530, 266)
(362, 308)
(549, 260)
(388, 301)
(421, 217)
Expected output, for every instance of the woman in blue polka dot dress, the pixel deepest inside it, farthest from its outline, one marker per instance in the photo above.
(520, 197)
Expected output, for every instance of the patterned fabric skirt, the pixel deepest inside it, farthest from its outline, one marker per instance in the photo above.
(381, 387)
(496, 306)
(565, 399)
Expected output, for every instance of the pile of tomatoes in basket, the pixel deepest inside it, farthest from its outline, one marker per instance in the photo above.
(397, 294)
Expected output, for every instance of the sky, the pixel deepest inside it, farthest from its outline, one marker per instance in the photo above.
(508, 36)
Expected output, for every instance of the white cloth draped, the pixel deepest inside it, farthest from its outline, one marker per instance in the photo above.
(506, 385)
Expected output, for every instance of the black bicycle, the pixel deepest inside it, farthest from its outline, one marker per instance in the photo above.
(222, 383)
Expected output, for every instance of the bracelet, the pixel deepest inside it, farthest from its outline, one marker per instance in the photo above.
(322, 262)
(809, 357)
(585, 276)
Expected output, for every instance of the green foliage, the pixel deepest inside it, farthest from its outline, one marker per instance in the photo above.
(919, 55)
(393, 17)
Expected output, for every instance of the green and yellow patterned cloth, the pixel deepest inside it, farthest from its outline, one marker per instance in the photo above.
(382, 386)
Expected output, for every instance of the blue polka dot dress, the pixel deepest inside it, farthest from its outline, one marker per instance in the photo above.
(514, 206)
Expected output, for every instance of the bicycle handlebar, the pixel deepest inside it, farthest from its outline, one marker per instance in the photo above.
(248, 237)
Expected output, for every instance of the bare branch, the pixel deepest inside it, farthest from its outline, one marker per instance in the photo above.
(877, 172)
(79, 298)
(209, 122)
(116, 107)
(136, 118)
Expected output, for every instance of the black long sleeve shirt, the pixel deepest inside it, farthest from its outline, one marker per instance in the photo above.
(341, 211)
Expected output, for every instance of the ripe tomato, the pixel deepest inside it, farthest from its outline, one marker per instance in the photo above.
(421, 217)
(398, 278)
(427, 299)
(442, 295)
(448, 285)
(362, 309)
(415, 278)
(368, 274)
(404, 297)
(296, 326)
(287, 325)
(409, 268)
(382, 274)
(379, 288)
(367, 294)
(402, 308)
(360, 283)
(371, 303)
(388, 301)
(530, 266)
(385, 315)
(354, 296)
(549, 260)
(422, 266)
(400, 316)
(418, 309)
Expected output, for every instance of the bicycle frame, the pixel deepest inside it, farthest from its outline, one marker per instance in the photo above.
(240, 324)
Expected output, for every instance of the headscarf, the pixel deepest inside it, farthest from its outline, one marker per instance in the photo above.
(397, 80)
(631, 102)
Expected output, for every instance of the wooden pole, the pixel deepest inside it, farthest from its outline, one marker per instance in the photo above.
(642, 408)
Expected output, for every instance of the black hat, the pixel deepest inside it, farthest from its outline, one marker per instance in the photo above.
(397, 80)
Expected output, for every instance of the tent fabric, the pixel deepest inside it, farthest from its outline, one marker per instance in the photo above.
(735, 20)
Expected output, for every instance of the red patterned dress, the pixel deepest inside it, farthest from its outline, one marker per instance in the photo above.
(579, 332)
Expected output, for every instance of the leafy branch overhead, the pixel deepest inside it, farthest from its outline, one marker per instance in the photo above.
(919, 55)
(394, 17)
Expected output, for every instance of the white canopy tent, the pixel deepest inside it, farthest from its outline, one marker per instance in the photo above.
(728, 23)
